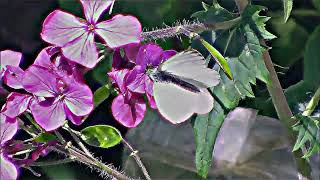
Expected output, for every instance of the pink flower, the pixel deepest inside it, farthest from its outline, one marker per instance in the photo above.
(16, 104)
(57, 97)
(76, 36)
(149, 55)
(127, 108)
(9, 127)
(9, 68)
(59, 64)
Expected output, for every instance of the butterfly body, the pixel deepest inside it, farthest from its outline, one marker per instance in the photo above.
(180, 86)
(165, 77)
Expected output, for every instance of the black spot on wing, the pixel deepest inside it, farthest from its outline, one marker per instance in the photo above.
(162, 76)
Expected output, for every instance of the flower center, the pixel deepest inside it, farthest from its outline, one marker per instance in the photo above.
(61, 86)
(91, 27)
(61, 97)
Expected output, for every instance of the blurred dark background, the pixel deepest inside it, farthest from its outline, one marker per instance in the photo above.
(20, 26)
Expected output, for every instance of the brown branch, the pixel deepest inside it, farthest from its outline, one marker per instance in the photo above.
(284, 113)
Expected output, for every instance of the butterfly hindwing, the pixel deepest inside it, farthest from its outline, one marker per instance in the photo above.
(177, 104)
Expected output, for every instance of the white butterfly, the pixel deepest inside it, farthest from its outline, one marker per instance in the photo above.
(180, 86)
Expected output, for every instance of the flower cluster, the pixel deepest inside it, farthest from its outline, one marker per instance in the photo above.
(130, 76)
(52, 89)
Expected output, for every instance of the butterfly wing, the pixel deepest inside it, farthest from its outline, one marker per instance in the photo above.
(177, 104)
(191, 65)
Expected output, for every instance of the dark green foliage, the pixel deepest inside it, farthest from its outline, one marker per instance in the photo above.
(308, 135)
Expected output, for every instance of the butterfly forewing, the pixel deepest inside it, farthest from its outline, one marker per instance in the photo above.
(191, 65)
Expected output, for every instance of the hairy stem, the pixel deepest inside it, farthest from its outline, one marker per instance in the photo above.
(134, 154)
(312, 103)
(284, 113)
(52, 163)
(90, 161)
(195, 27)
(74, 135)
(241, 4)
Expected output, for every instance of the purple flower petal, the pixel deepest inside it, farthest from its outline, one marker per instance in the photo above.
(82, 50)
(168, 54)
(136, 80)
(16, 104)
(68, 68)
(39, 81)
(51, 50)
(61, 66)
(8, 171)
(49, 114)
(119, 31)
(94, 8)
(149, 85)
(130, 112)
(43, 59)
(79, 99)
(13, 77)
(8, 128)
(149, 92)
(131, 51)
(77, 120)
(60, 28)
(149, 54)
(118, 77)
(118, 62)
(8, 57)
(151, 101)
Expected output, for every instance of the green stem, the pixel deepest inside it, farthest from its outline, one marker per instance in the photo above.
(195, 27)
(52, 163)
(75, 135)
(134, 154)
(312, 103)
(90, 161)
(241, 4)
(281, 105)
(284, 113)
(27, 129)
(33, 122)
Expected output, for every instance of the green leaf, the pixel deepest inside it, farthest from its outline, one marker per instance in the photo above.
(287, 7)
(45, 137)
(227, 92)
(245, 68)
(206, 128)
(103, 136)
(218, 57)
(308, 135)
(312, 59)
(227, 41)
(257, 23)
(99, 73)
(316, 4)
(230, 42)
(292, 40)
(241, 44)
(72, 6)
(253, 58)
(297, 95)
(101, 94)
(214, 14)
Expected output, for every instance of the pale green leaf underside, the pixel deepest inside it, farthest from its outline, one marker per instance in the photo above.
(103, 136)
(287, 7)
